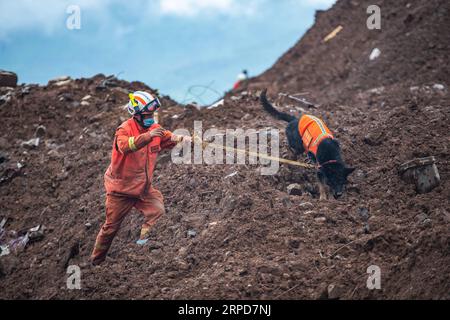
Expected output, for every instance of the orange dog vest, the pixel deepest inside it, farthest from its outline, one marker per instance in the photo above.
(313, 131)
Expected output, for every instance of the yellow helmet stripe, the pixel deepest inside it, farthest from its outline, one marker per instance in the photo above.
(133, 101)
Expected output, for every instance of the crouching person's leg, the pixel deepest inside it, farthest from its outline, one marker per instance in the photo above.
(152, 207)
(116, 210)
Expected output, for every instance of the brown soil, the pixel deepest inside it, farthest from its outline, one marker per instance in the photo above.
(252, 241)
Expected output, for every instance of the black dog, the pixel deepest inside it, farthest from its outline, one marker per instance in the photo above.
(332, 170)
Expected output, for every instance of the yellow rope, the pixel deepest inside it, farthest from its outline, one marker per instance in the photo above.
(256, 154)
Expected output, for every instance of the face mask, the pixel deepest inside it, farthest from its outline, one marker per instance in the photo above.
(148, 122)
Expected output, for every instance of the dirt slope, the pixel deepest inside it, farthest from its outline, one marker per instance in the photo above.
(252, 239)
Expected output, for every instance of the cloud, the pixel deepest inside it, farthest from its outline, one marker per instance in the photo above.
(46, 16)
(318, 4)
(191, 8)
(49, 16)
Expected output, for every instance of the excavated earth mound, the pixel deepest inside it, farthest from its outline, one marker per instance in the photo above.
(230, 232)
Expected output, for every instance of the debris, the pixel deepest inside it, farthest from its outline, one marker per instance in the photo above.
(109, 81)
(85, 98)
(374, 54)
(40, 131)
(191, 233)
(333, 34)
(302, 100)
(20, 242)
(231, 174)
(142, 242)
(59, 79)
(85, 103)
(88, 225)
(32, 143)
(6, 97)
(8, 79)
(35, 234)
(294, 189)
(62, 83)
(10, 173)
(422, 172)
(4, 250)
(217, 104)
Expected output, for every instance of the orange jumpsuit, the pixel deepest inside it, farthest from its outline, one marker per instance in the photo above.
(128, 182)
(313, 131)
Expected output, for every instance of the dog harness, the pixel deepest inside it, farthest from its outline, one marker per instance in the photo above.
(313, 131)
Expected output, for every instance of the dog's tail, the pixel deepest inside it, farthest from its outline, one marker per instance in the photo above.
(274, 112)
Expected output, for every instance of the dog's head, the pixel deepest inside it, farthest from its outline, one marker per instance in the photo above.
(335, 176)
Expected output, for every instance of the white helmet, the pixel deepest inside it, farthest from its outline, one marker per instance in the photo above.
(142, 101)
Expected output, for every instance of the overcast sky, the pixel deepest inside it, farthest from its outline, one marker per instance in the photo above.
(170, 45)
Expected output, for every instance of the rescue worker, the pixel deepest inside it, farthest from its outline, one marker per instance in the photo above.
(128, 179)
(240, 78)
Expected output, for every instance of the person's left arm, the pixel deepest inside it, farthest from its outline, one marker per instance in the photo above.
(170, 140)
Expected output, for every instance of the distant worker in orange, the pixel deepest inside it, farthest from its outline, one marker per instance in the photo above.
(128, 179)
(240, 78)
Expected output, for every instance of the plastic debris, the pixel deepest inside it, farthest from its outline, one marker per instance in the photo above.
(374, 54)
(142, 242)
(32, 143)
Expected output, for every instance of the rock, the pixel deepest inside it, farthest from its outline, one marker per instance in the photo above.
(373, 138)
(40, 131)
(59, 79)
(363, 213)
(85, 103)
(191, 233)
(320, 219)
(427, 222)
(85, 98)
(32, 143)
(54, 154)
(306, 205)
(422, 172)
(374, 54)
(6, 97)
(294, 189)
(421, 217)
(378, 90)
(62, 83)
(294, 243)
(334, 292)
(3, 157)
(8, 79)
(234, 98)
(438, 86)
(88, 225)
